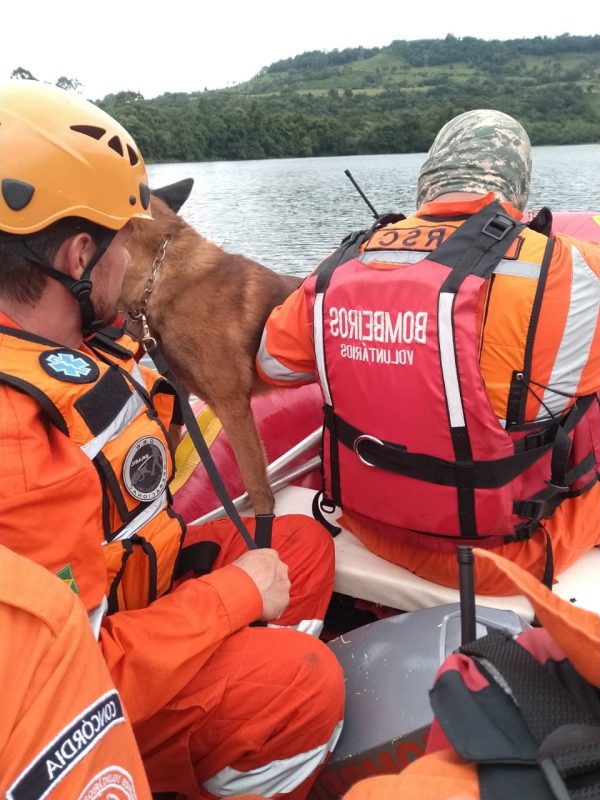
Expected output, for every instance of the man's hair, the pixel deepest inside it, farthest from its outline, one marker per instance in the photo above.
(22, 280)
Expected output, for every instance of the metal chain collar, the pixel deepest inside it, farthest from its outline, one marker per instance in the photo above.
(140, 312)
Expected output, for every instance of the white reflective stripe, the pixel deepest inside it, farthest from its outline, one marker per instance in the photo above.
(311, 626)
(136, 374)
(577, 338)
(520, 269)
(125, 416)
(275, 369)
(393, 256)
(448, 359)
(151, 511)
(277, 777)
(319, 327)
(96, 615)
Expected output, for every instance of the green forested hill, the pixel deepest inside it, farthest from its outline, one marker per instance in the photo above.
(377, 100)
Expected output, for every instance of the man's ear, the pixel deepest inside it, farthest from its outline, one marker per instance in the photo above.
(74, 254)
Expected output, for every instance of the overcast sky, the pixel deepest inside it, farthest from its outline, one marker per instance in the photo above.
(186, 45)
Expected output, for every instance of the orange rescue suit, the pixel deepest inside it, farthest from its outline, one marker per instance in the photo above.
(63, 732)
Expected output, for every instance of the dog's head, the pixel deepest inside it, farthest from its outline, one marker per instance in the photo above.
(148, 236)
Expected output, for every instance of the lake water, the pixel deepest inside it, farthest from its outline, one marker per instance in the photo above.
(290, 213)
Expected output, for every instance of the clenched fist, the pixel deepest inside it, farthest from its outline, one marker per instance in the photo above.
(270, 575)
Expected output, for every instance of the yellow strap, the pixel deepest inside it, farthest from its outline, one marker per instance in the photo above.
(186, 455)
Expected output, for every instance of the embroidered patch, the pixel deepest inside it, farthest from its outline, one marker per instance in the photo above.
(69, 365)
(66, 575)
(145, 469)
(67, 749)
(113, 783)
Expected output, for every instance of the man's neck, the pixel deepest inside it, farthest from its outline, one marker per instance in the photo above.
(452, 197)
(55, 317)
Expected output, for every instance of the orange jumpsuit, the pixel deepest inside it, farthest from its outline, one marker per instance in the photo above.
(568, 632)
(218, 708)
(62, 727)
(287, 358)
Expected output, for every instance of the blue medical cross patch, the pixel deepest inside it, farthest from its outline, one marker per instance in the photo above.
(69, 366)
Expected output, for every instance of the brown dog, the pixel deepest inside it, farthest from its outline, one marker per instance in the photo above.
(207, 308)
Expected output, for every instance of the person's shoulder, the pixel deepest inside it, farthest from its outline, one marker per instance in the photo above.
(589, 251)
(27, 586)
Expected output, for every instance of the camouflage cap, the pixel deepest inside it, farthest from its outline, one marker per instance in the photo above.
(478, 151)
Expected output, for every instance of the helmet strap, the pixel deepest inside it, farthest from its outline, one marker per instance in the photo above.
(80, 289)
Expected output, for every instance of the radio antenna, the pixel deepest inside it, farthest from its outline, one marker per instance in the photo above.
(362, 194)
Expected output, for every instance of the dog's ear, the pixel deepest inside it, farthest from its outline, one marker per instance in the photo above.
(175, 194)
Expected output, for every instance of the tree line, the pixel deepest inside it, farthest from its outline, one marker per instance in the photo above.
(375, 100)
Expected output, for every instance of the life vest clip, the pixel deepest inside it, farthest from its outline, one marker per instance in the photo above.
(498, 227)
(365, 437)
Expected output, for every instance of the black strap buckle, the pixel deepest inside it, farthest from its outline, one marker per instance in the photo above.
(365, 438)
(498, 227)
(81, 289)
(558, 487)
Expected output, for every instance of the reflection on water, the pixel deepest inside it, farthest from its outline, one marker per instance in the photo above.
(290, 213)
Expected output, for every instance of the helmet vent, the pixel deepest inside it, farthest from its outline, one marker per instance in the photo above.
(133, 156)
(144, 196)
(16, 194)
(89, 130)
(115, 144)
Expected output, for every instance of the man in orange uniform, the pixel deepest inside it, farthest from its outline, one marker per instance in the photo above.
(63, 730)
(389, 358)
(218, 708)
(568, 646)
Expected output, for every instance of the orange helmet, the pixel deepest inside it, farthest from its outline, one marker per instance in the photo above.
(61, 156)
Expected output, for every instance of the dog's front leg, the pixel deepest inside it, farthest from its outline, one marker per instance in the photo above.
(240, 427)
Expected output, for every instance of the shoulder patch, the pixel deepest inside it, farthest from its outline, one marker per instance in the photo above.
(68, 748)
(145, 469)
(69, 365)
(113, 783)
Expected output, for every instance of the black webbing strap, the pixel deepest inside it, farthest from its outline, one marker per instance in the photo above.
(395, 458)
(264, 529)
(203, 451)
(477, 246)
(150, 553)
(197, 558)
(565, 729)
(320, 505)
(492, 474)
(329, 423)
(544, 503)
(350, 248)
(113, 604)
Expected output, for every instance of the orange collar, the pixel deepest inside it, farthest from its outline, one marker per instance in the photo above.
(459, 208)
(8, 322)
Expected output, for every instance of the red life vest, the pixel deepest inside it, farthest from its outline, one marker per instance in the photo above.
(412, 445)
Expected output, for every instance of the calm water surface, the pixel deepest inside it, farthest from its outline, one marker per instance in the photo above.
(290, 213)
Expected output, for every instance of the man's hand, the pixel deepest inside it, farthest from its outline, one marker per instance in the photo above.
(270, 575)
